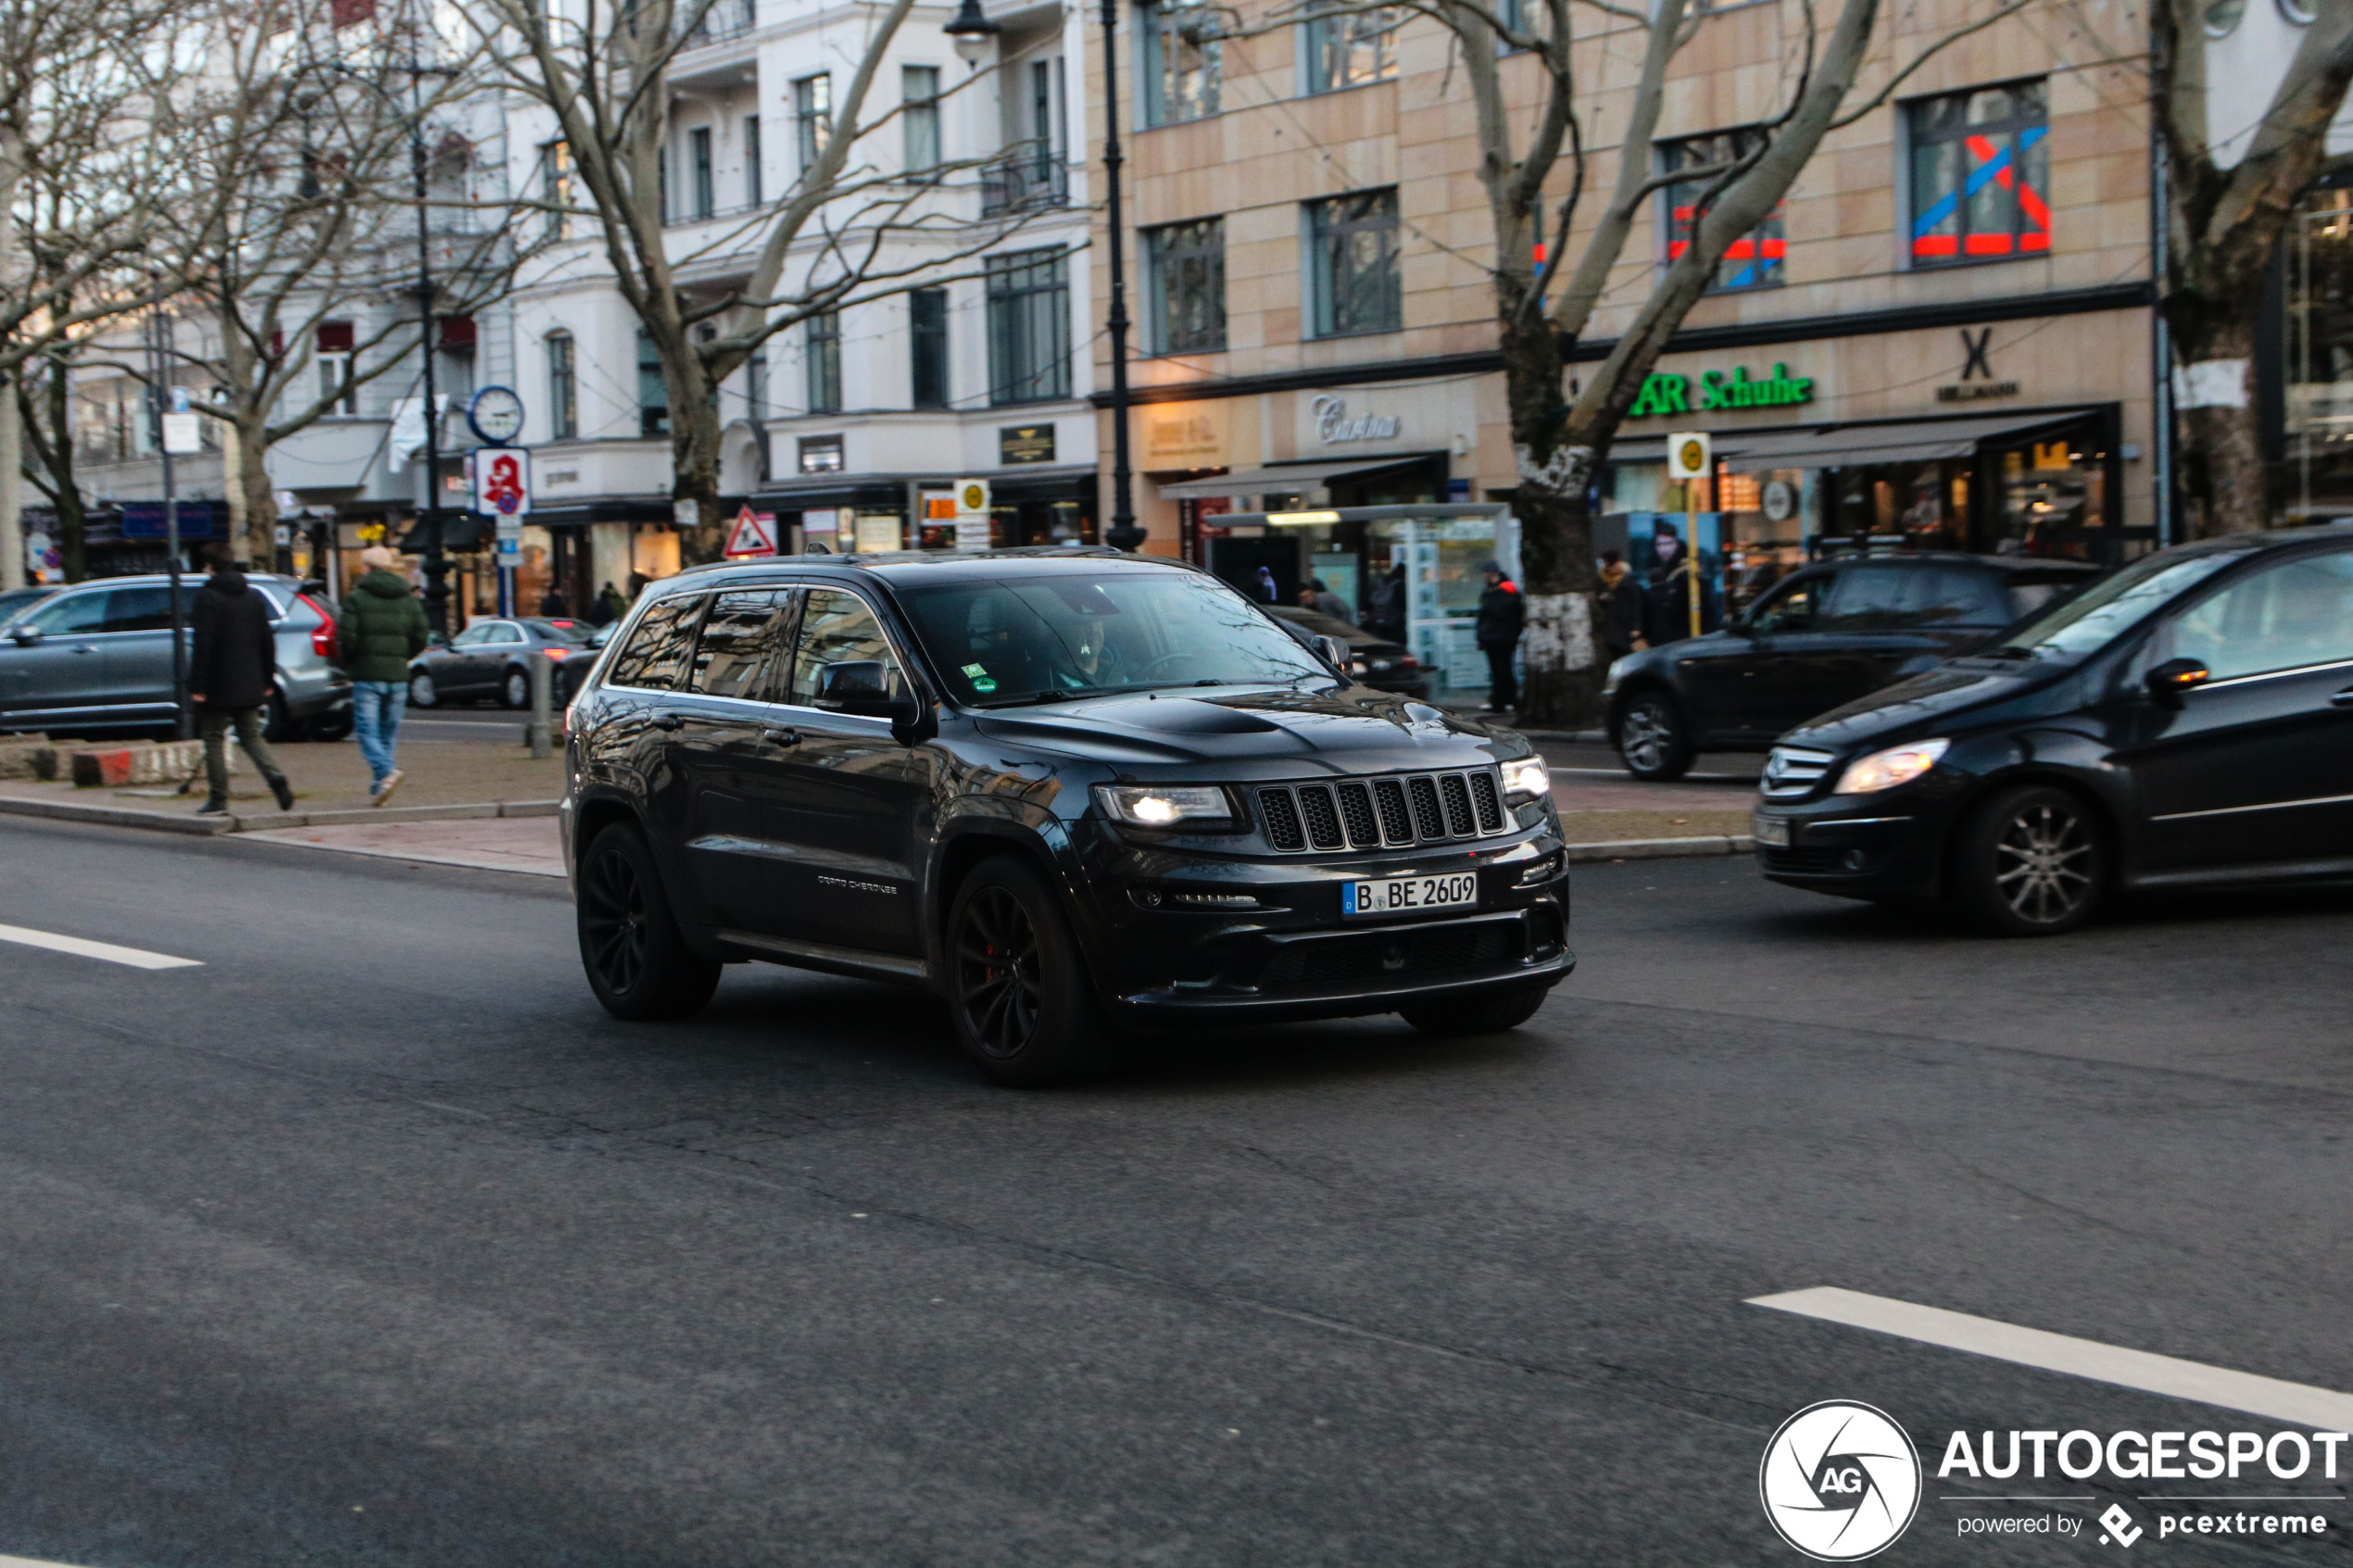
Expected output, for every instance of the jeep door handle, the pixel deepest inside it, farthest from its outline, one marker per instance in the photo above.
(669, 721)
(781, 737)
(2343, 698)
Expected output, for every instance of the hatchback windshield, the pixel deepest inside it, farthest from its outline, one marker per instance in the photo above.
(1027, 639)
(2086, 623)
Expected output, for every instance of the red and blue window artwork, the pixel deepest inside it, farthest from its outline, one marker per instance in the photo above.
(1755, 260)
(1978, 169)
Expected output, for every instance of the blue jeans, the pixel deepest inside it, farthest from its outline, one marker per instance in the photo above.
(375, 718)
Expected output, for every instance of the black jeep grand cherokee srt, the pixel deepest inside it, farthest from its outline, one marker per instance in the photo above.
(1060, 788)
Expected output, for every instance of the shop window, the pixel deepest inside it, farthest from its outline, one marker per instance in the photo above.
(1029, 327)
(1185, 266)
(1349, 49)
(823, 360)
(1753, 261)
(820, 454)
(1182, 61)
(563, 387)
(1981, 163)
(919, 118)
(653, 392)
(2317, 345)
(1352, 275)
(2050, 488)
(928, 347)
(812, 101)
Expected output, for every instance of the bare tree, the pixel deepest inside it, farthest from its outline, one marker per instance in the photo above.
(847, 231)
(314, 162)
(2223, 226)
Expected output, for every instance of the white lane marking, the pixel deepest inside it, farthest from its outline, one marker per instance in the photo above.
(2323, 1409)
(33, 1563)
(136, 958)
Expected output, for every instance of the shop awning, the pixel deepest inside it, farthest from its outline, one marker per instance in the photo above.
(1289, 478)
(1910, 441)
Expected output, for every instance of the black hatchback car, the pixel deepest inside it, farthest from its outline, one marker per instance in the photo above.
(1060, 789)
(2187, 722)
(1820, 637)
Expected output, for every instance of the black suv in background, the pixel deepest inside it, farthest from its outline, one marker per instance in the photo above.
(1821, 636)
(1059, 788)
(2187, 722)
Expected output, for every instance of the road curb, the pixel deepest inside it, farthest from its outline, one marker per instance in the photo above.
(161, 821)
(1662, 848)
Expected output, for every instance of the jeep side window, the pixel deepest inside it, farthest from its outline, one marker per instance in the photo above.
(838, 628)
(738, 637)
(657, 651)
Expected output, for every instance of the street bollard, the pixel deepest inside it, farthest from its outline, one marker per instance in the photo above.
(543, 681)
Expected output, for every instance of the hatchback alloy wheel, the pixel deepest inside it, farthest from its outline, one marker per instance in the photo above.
(2030, 863)
(420, 693)
(517, 690)
(997, 961)
(2042, 863)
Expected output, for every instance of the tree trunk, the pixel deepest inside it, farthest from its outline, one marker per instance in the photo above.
(244, 449)
(12, 565)
(694, 459)
(2225, 482)
(1563, 677)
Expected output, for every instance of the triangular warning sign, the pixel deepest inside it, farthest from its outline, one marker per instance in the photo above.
(754, 535)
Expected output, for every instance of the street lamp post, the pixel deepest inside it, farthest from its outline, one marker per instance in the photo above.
(429, 516)
(1124, 534)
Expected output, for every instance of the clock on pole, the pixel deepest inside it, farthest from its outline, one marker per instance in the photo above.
(495, 414)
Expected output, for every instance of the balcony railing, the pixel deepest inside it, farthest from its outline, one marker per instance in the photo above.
(726, 19)
(1023, 184)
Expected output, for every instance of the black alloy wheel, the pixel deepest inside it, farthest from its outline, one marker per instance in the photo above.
(1023, 1007)
(637, 964)
(1652, 739)
(515, 690)
(2032, 862)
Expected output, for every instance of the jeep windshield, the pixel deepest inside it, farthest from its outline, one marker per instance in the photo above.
(1041, 638)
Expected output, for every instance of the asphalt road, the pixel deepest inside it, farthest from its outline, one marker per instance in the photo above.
(371, 1241)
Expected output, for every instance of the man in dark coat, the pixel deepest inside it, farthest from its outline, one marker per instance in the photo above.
(231, 670)
(1666, 616)
(1502, 614)
(1621, 607)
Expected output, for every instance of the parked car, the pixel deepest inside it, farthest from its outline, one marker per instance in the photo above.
(1372, 659)
(97, 656)
(571, 676)
(1057, 787)
(1822, 636)
(490, 659)
(2187, 722)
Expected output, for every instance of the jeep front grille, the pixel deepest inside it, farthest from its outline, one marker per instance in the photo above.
(1390, 813)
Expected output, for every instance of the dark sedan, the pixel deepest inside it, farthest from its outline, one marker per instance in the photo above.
(1824, 635)
(2187, 722)
(492, 659)
(1373, 659)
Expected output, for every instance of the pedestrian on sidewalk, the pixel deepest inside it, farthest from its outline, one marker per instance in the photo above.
(551, 604)
(383, 627)
(1502, 614)
(1621, 603)
(607, 607)
(231, 671)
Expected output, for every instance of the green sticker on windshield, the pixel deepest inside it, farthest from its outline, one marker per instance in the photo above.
(978, 672)
(979, 675)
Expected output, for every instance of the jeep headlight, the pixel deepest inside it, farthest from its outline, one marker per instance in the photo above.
(1885, 770)
(1164, 806)
(1526, 779)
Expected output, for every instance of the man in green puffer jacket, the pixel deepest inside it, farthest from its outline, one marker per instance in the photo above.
(381, 629)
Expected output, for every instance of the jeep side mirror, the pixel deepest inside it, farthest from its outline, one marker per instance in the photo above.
(861, 686)
(1335, 653)
(2170, 679)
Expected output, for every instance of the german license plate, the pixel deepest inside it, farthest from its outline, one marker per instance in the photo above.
(1770, 830)
(1402, 895)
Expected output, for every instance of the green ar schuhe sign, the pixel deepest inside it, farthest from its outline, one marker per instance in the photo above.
(1665, 394)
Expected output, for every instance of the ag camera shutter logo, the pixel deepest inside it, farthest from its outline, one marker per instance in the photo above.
(1840, 1481)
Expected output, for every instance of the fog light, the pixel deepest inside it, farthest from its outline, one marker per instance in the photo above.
(1856, 859)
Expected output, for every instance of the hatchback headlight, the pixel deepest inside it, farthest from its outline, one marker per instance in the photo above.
(1160, 806)
(1526, 779)
(1885, 770)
